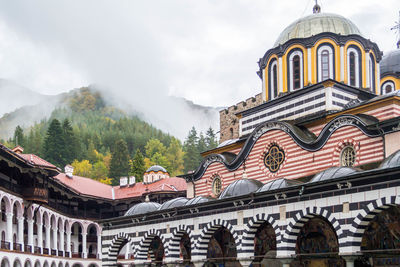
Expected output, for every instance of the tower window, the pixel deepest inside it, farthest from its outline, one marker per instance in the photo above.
(275, 80)
(352, 63)
(325, 64)
(296, 72)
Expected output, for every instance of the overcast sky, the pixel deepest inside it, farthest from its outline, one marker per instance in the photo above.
(205, 51)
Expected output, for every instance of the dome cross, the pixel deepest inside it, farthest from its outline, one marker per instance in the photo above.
(396, 28)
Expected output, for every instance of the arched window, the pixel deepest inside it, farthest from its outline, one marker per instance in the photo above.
(295, 71)
(325, 62)
(387, 87)
(325, 65)
(273, 80)
(371, 64)
(354, 66)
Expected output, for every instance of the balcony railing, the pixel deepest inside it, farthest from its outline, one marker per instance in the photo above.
(36, 250)
(91, 238)
(54, 252)
(60, 253)
(37, 194)
(67, 254)
(45, 251)
(17, 246)
(5, 245)
(77, 255)
(92, 256)
(28, 248)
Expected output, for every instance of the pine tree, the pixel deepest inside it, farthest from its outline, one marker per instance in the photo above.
(53, 150)
(71, 146)
(211, 139)
(19, 138)
(137, 166)
(191, 151)
(119, 165)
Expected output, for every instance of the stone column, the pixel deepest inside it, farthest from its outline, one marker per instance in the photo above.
(40, 236)
(128, 250)
(48, 238)
(55, 238)
(30, 234)
(350, 260)
(9, 231)
(68, 249)
(99, 252)
(20, 236)
(84, 249)
(61, 246)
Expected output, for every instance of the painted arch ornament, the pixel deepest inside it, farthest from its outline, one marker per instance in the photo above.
(274, 158)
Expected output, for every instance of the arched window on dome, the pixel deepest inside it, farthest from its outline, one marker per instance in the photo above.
(354, 66)
(325, 62)
(295, 72)
(387, 87)
(273, 79)
(371, 64)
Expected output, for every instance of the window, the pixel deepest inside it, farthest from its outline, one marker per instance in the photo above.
(388, 89)
(216, 185)
(275, 80)
(352, 64)
(296, 72)
(348, 157)
(325, 65)
(274, 158)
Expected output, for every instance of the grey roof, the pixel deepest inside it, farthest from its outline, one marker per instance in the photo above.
(197, 200)
(317, 23)
(142, 208)
(390, 62)
(241, 187)
(173, 203)
(333, 173)
(227, 142)
(156, 168)
(391, 161)
(277, 184)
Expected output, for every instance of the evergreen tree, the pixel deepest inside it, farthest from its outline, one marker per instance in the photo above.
(53, 149)
(201, 144)
(71, 146)
(119, 165)
(211, 139)
(19, 138)
(191, 151)
(137, 166)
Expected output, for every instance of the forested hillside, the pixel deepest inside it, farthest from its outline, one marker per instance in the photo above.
(104, 143)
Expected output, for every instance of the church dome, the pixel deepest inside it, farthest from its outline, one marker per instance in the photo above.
(317, 23)
(197, 200)
(173, 203)
(142, 208)
(278, 184)
(241, 187)
(390, 62)
(391, 161)
(333, 173)
(156, 168)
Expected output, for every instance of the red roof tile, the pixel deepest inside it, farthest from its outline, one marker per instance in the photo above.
(36, 160)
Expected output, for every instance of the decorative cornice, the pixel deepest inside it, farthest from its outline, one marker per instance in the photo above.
(303, 138)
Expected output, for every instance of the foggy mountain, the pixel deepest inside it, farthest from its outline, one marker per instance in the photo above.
(21, 106)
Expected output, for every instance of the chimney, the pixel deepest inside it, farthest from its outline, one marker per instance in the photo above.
(132, 180)
(69, 171)
(18, 150)
(123, 181)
